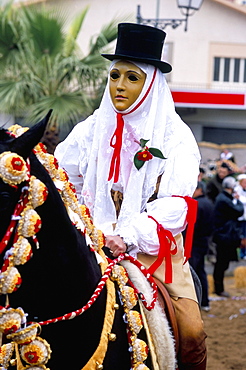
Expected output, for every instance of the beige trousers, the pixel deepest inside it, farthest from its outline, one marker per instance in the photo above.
(192, 349)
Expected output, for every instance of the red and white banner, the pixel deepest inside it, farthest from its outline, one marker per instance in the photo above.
(209, 99)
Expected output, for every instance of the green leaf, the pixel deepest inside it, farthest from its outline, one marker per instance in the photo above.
(156, 153)
(137, 162)
(143, 142)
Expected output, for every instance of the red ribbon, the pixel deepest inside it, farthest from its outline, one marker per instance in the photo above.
(191, 220)
(11, 228)
(116, 139)
(165, 240)
(116, 143)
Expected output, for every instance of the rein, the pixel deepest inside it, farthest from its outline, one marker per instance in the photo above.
(101, 285)
(14, 219)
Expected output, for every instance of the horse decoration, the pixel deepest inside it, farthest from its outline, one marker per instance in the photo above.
(63, 301)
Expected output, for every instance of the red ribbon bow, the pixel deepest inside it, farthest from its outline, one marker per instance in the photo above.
(191, 220)
(165, 252)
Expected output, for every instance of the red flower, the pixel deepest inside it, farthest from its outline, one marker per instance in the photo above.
(17, 164)
(32, 357)
(144, 155)
(10, 330)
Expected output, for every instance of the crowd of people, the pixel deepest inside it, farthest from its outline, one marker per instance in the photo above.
(220, 228)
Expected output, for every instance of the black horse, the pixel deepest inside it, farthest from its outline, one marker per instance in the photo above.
(62, 274)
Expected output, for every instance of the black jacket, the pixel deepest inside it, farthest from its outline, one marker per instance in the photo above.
(204, 223)
(226, 226)
(225, 209)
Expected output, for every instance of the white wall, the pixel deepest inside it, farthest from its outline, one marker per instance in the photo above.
(191, 50)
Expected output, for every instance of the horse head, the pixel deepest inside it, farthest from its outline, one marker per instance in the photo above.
(63, 270)
(68, 287)
(22, 146)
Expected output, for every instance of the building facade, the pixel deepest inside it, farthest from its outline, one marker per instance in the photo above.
(208, 81)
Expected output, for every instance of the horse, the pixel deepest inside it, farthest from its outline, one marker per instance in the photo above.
(69, 292)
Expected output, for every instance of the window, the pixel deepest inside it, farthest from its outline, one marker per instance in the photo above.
(232, 70)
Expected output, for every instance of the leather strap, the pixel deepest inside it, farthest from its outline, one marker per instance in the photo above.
(166, 303)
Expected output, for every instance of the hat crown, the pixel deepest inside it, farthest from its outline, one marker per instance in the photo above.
(141, 43)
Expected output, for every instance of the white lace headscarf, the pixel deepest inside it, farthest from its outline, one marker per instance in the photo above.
(153, 120)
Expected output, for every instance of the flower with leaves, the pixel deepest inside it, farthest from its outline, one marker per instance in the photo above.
(145, 154)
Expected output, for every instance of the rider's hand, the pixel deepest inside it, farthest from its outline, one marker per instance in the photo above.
(115, 244)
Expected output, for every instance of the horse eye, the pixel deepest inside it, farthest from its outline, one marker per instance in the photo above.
(4, 200)
(114, 75)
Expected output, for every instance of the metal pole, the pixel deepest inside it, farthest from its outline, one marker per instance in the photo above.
(138, 18)
(157, 11)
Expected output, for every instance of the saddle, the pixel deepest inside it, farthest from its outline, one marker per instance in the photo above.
(165, 301)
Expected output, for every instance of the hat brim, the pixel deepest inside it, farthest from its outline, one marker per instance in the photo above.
(163, 66)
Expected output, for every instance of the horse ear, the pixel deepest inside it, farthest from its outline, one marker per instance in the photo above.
(23, 144)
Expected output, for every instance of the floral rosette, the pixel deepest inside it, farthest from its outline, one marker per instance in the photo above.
(37, 352)
(120, 274)
(10, 280)
(140, 350)
(26, 335)
(49, 162)
(21, 251)
(140, 366)
(10, 320)
(62, 175)
(30, 223)
(38, 192)
(69, 196)
(13, 168)
(6, 352)
(130, 296)
(36, 367)
(17, 130)
(135, 321)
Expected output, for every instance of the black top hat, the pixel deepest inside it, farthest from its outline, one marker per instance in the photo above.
(140, 43)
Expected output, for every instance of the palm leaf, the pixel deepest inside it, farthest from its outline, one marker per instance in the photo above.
(45, 30)
(67, 109)
(70, 44)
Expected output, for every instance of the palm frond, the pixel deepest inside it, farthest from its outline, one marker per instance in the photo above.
(70, 44)
(46, 32)
(67, 109)
(107, 34)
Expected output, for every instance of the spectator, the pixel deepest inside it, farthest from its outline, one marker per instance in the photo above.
(225, 154)
(227, 236)
(202, 173)
(241, 191)
(202, 233)
(214, 186)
